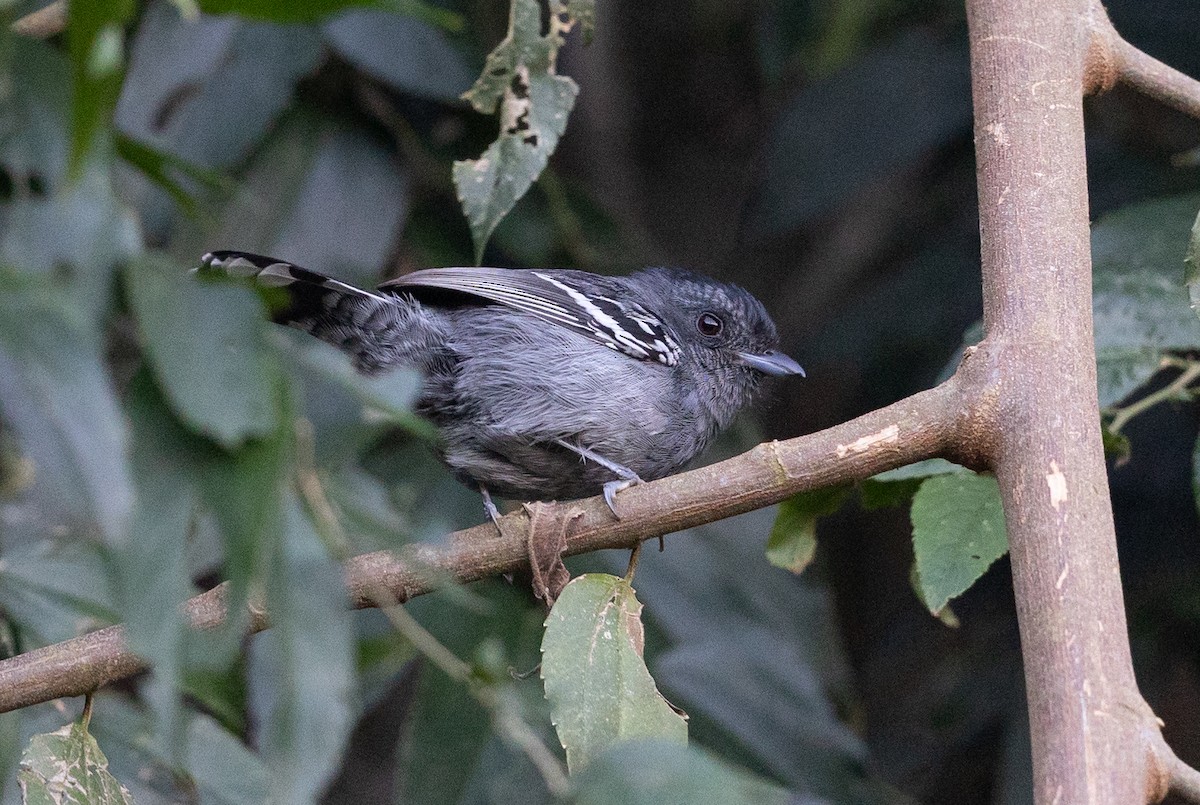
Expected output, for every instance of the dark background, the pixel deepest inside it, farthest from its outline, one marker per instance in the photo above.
(817, 153)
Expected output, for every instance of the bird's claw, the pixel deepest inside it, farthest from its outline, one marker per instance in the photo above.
(613, 487)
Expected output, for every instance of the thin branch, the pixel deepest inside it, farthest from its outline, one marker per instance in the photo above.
(1175, 390)
(1185, 781)
(927, 424)
(1113, 59)
(510, 726)
(1169, 774)
(1161, 82)
(43, 23)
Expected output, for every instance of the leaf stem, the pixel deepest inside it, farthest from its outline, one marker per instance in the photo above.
(85, 718)
(508, 724)
(1173, 390)
(634, 556)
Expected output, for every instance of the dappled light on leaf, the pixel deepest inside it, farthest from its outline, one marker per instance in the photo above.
(67, 766)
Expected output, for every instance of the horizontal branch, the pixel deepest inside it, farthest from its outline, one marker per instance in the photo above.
(927, 424)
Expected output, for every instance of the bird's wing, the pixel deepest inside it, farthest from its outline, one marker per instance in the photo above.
(556, 297)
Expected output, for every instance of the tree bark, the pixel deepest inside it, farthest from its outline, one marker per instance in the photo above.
(1088, 720)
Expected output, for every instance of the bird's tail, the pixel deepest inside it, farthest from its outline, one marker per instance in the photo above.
(378, 331)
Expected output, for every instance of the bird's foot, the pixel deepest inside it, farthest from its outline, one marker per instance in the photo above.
(613, 487)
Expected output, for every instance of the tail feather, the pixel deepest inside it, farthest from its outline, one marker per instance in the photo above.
(275, 273)
(378, 331)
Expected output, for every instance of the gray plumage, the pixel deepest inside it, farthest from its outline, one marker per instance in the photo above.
(547, 384)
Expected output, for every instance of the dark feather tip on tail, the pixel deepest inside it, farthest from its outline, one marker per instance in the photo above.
(272, 272)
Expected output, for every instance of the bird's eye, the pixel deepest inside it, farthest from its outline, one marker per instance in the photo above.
(709, 324)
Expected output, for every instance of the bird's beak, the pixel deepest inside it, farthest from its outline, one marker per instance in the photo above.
(772, 363)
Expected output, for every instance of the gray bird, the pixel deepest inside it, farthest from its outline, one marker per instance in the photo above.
(547, 384)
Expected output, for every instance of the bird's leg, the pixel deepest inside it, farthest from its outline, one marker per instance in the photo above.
(625, 476)
(493, 514)
(490, 508)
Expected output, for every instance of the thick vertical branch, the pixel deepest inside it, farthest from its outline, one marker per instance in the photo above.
(1087, 718)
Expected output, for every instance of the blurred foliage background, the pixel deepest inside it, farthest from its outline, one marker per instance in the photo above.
(818, 153)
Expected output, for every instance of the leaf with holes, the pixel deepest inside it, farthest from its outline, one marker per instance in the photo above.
(67, 766)
(599, 690)
(533, 101)
(958, 532)
(582, 12)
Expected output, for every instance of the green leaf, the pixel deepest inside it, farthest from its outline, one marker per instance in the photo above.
(10, 746)
(1140, 308)
(945, 614)
(151, 568)
(54, 592)
(56, 395)
(302, 669)
(1196, 474)
(534, 103)
(171, 173)
(387, 398)
(349, 412)
(657, 772)
(187, 81)
(793, 539)
(774, 628)
(205, 343)
(244, 491)
(1191, 271)
(1116, 445)
(958, 532)
(216, 769)
(896, 487)
(599, 690)
(583, 12)
(304, 171)
(71, 232)
(405, 53)
(96, 43)
(224, 770)
(448, 733)
(67, 766)
(35, 113)
(314, 10)
(1138, 305)
(920, 470)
